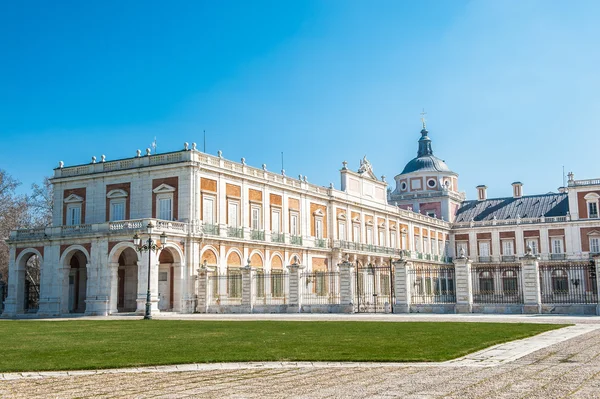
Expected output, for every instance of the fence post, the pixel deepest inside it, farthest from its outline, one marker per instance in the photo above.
(295, 296)
(202, 298)
(532, 299)
(402, 286)
(597, 269)
(346, 287)
(464, 284)
(247, 288)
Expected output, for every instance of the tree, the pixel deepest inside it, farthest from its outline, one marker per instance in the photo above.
(13, 215)
(40, 204)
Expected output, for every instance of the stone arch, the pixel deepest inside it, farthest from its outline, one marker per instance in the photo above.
(69, 251)
(29, 270)
(175, 251)
(74, 261)
(126, 279)
(234, 258)
(117, 250)
(209, 253)
(256, 259)
(276, 261)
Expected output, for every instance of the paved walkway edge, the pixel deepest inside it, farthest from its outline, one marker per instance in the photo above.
(489, 357)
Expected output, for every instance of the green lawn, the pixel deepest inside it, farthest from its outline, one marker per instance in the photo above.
(71, 345)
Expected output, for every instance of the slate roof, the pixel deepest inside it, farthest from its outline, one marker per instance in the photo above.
(533, 206)
(426, 163)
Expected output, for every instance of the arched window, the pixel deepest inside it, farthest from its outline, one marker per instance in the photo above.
(486, 282)
(510, 282)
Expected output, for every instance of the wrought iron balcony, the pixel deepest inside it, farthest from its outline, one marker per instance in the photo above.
(296, 240)
(277, 237)
(235, 232)
(320, 243)
(211, 229)
(257, 235)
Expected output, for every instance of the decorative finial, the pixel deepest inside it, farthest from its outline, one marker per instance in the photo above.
(185, 146)
(138, 153)
(305, 179)
(220, 154)
(102, 158)
(344, 165)
(331, 186)
(264, 167)
(193, 146)
(148, 151)
(423, 120)
(383, 178)
(61, 164)
(300, 177)
(282, 172)
(93, 159)
(243, 161)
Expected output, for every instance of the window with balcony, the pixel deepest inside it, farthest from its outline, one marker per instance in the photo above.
(592, 204)
(381, 241)
(342, 231)
(165, 206)
(255, 222)
(557, 246)
(356, 232)
(484, 251)
(117, 210)
(276, 221)
(595, 245)
(208, 209)
(393, 241)
(73, 214)
(233, 214)
(369, 235)
(318, 227)
(294, 223)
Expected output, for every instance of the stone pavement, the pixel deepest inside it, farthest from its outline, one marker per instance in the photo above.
(568, 365)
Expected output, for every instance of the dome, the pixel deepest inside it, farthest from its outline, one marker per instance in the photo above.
(425, 160)
(427, 163)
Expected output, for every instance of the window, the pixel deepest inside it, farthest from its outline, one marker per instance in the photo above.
(557, 247)
(117, 210)
(73, 214)
(431, 183)
(509, 282)
(294, 224)
(534, 246)
(319, 227)
(417, 244)
(484, 249)
(342, 231)
(165, 210)
(431, 214)
(255, 221)
(369, 235)
(208, 210)
(593, 209)
(381, 238)
(560, 281)
(393, 242)
(594, 245)
(403, 186)
(276, 221)
(277, 284)
(425, 244)
(486, 282)
(233, 216)
(434, 246)
(508, 248)
(356, 232)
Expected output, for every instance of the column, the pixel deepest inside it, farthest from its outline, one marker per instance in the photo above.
(464, 285)
(597, 269)
(14, 299)
(532, 300)
(346, 287)
(114, 288)
(295, 294)
(247, 289)
(402, 286)
(143, 283)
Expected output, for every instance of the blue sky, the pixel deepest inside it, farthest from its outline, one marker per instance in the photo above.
(511, 88)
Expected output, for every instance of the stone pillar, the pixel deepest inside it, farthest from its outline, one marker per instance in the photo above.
(14, 285)
(114, 288)
(346, 287)
(295, 294)
(532, 299)
(203, 299)
(402, 285)
(464, 285)
(143, 283)
(597, 269)
(247, 288)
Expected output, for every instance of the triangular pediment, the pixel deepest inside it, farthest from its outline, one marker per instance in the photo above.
(341, 216)
(594, 233)
(163, 188)
(318, 212)
(73, 198)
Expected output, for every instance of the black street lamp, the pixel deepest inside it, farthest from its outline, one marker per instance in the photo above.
(149, 246)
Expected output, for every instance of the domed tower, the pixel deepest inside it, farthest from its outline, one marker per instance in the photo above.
(427, 185)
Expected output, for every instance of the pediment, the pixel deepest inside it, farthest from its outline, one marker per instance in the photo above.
(117, 194)
(163, 188)
(318, 212)
(341, 216)
(594, 233)
(73, 198)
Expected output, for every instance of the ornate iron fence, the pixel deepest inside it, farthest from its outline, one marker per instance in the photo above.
(225, 289)
(568, 282)
(32, 297)
(431, 284)
(497, 283)
(321, 288)
(374, 288)
(271, 288)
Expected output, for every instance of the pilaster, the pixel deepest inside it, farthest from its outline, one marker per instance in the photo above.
(402, 286)
(247, 288)
(346, 286)
(532, 300)
(295, 288)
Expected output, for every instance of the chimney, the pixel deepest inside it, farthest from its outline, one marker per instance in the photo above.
(517, 189)
(481, 192)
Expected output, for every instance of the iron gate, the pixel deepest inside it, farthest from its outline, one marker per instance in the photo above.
(32, 296)
(374, 288)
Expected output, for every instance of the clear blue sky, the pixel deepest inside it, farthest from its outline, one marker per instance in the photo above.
(511, 88)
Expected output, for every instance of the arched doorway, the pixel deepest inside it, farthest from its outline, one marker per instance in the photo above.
(127, 281)
(31, 299)
(77, 282)
(165, 280)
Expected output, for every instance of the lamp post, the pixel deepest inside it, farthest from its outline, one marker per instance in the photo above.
(149, 246)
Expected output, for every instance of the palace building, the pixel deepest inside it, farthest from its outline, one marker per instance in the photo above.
(229, 237)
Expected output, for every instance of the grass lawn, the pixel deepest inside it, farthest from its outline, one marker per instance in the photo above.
(71, 345)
